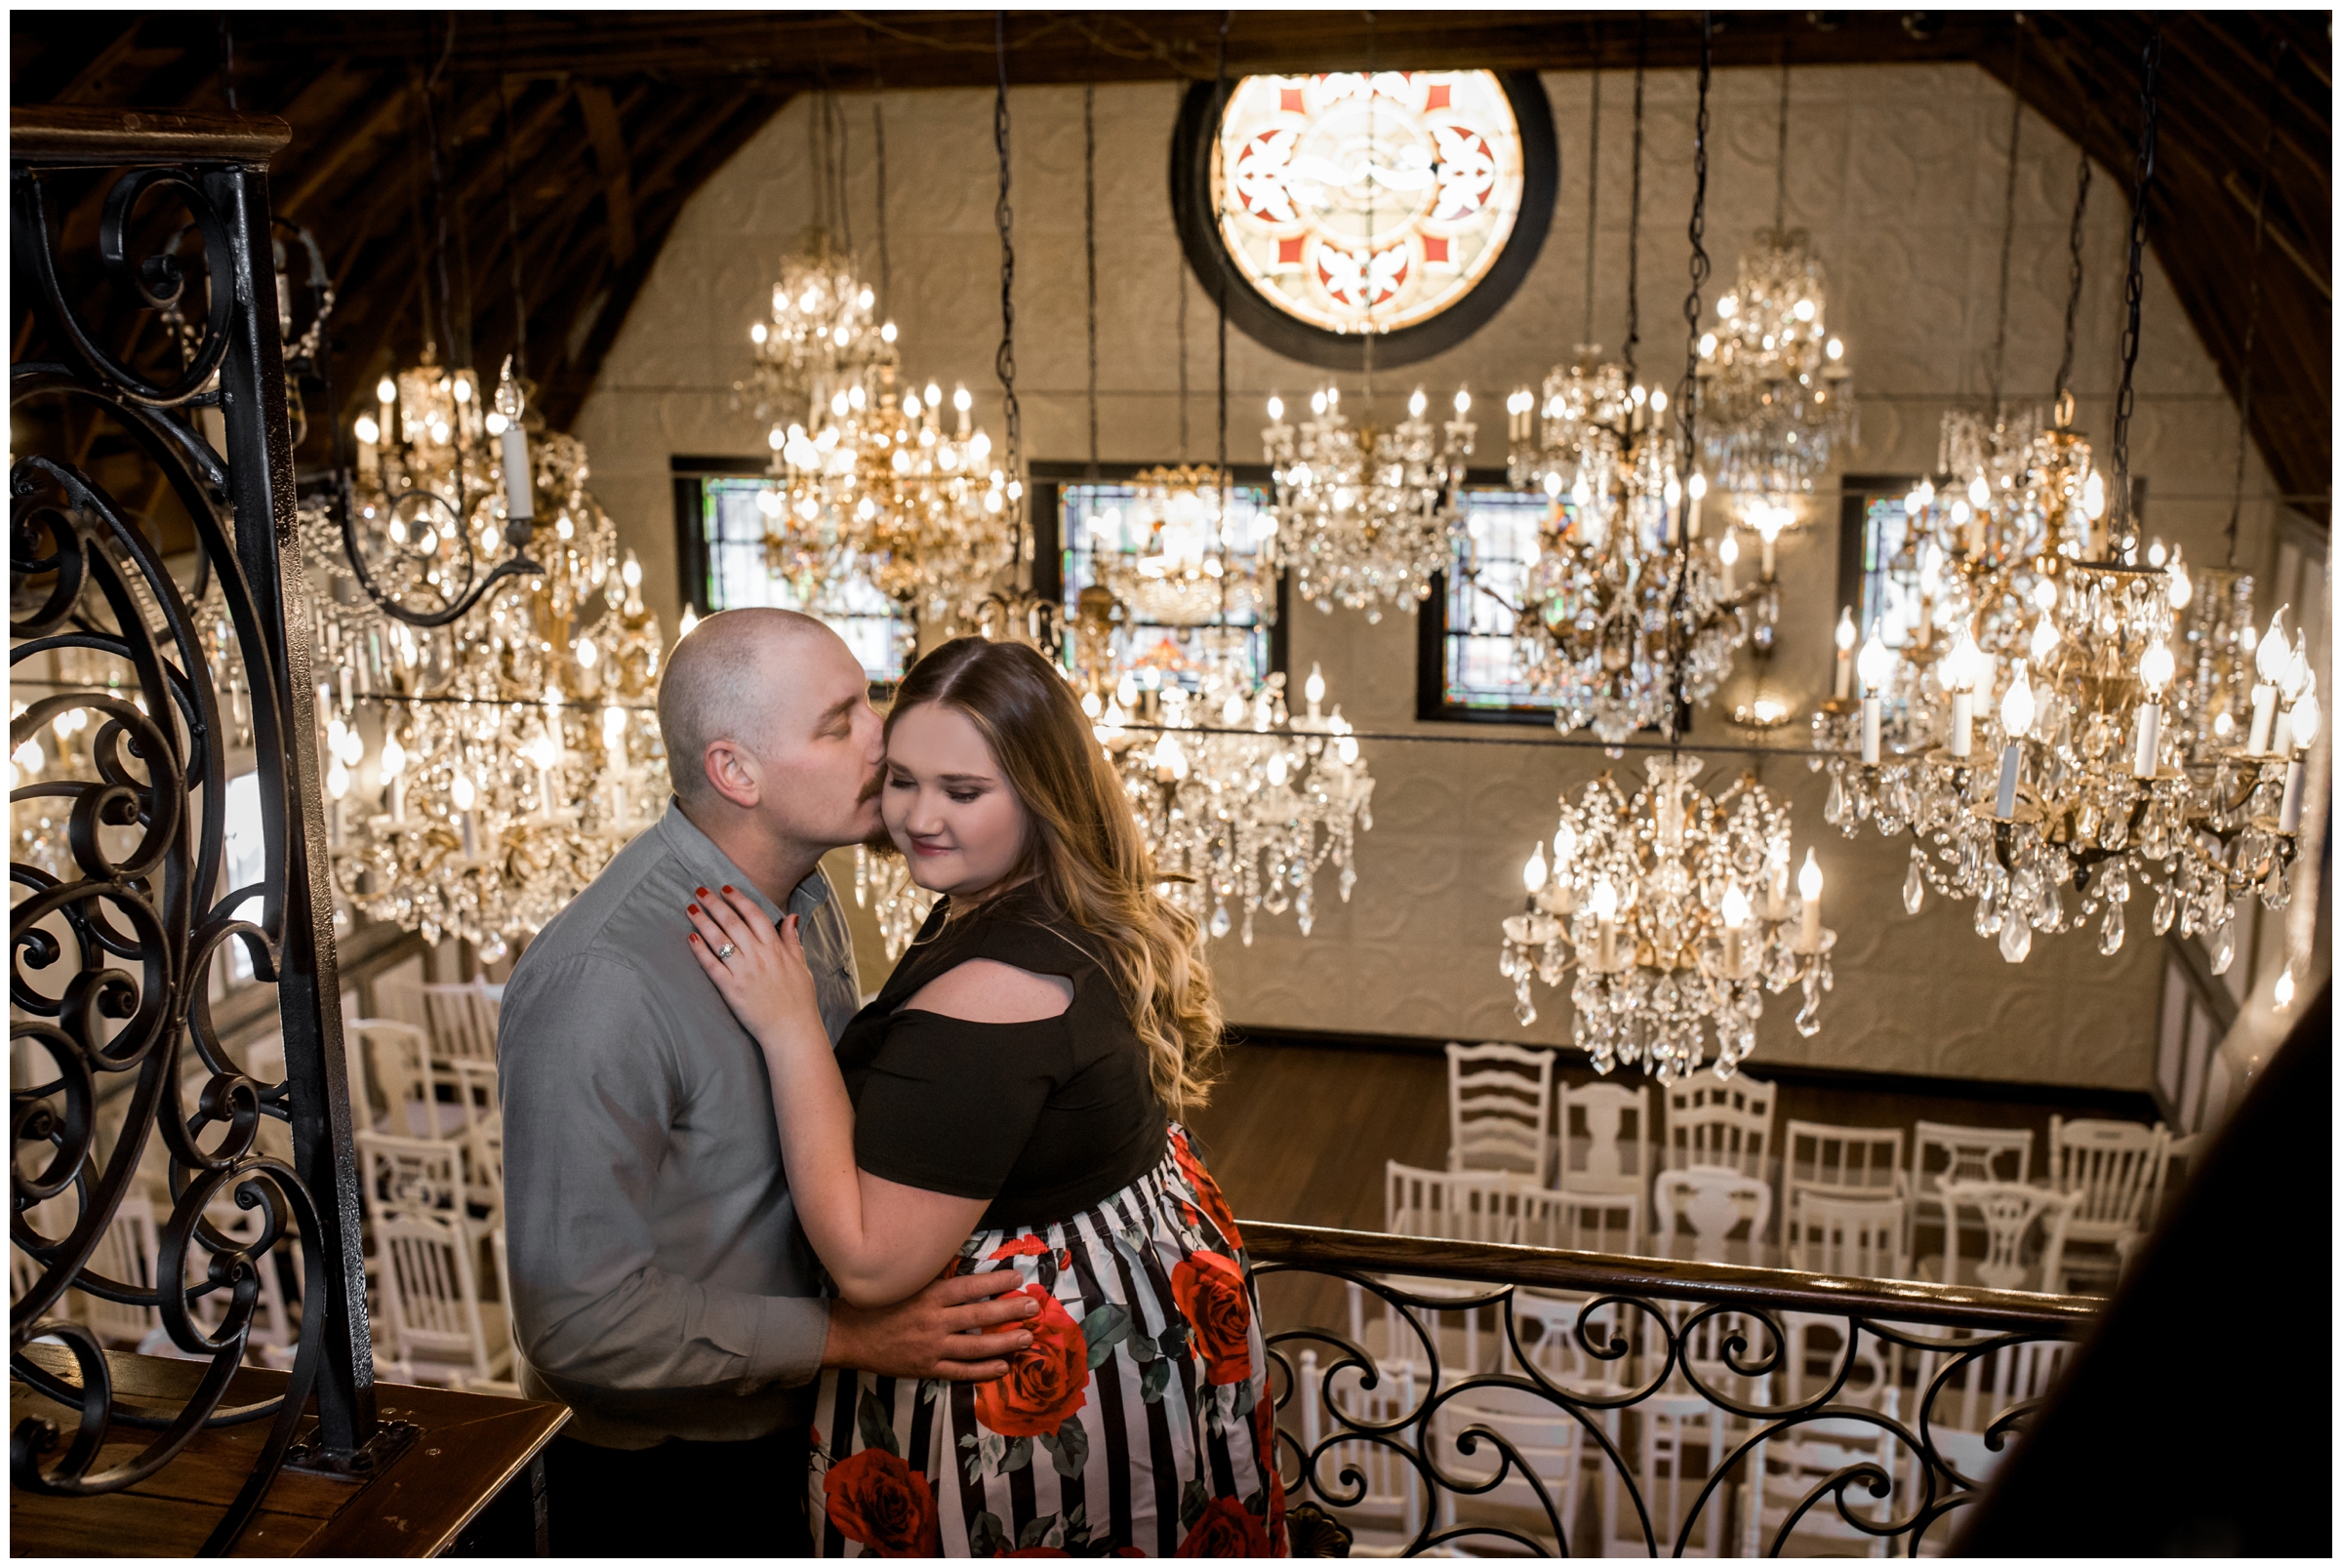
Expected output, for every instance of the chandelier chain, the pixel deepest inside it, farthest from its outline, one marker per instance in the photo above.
(2008, 216)
(1220, 328)
(1780, 146)
(1593, 181)
(520, 298)
(1687, 390)
(1004, 363)
(886, 275)
(1182, 360)
(2134, 287)
(2252, 307)
(459, 351)
(1643, 49)
(1089, 250)
(2074, 247)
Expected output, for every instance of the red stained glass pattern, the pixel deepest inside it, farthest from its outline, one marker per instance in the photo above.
(1356, 203)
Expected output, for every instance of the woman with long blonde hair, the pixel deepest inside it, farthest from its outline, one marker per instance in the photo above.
(1011, 1101)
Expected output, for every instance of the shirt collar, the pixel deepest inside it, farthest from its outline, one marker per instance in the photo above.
(712, 867)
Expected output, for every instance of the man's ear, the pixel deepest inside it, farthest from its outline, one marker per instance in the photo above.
(735, 772)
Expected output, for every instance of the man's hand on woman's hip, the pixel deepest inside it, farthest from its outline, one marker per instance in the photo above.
(951, 1330)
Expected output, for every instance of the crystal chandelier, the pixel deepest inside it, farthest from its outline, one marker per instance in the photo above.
(1774, 386)
(514, 746)
(1608, 587)
(879, 482)
(822, 335)
(1242, 802)
(1183, 573)
(1676, 909)
(1364, 517)
(882, 884)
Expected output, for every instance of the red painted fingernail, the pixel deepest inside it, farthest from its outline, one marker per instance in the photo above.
(701, 892)
(727, 887)
(694, 937)
(691, 909)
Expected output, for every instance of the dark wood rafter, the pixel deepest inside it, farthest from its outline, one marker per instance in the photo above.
(618, 117)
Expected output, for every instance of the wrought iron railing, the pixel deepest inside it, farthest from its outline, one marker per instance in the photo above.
(113, 938)
(1528, 1399)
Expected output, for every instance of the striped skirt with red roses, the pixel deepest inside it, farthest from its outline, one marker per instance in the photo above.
(1138, 1424)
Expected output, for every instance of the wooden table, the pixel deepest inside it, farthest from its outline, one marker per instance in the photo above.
(470, 1479)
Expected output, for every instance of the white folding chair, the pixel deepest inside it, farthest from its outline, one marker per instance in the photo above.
(1727, 1123)
(1853, 1237)
(444, 1333)
(395, 1059)
(462, 1020)
(1605, 1137)
(2111, 1168)
(1500, 1100)
(1942, 1152)
(1713, 1201)
(2009, 1213)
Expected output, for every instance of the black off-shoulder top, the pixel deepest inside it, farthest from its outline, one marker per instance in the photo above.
(1041, 1119)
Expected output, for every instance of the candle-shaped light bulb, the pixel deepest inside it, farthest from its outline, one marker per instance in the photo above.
(393, 758)
(1169, 758)
(2155, 668)
(1312, 690)
(336, 780)
(367, 431)
(2272, 655)
(1727, 551)
(2154, 673)
(462, 792)
(1845, 638)
(1602, 900)
(385, 390)
(1532, 874)
(2044, 639)
(614, 727)
(2016, 704)
(588, 653)
(1921, 496)
(1809, 889)
(1463, 403)
(1735, 907)
(1875, 664)
(1846, 630)
(1565, 846)
(2303, 718)
(2094, 496)
(1980, 494)
(1416, 403)
(1277, 410)
(690, 622)
(2182, 590)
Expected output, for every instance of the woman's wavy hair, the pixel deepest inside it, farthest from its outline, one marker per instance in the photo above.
(1084, 852)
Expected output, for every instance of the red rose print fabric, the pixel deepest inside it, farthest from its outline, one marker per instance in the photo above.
(1147, 1367)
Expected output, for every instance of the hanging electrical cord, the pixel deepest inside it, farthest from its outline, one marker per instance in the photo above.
(1089, 249)
(886, 274)
(1687, 390)
(2074, 245)
(2252, 307)
(1593, 180)
(1642, 52)
(2126, 540)
(1004, 362)
(2008, 217)
(520, 300)
(1780, 148)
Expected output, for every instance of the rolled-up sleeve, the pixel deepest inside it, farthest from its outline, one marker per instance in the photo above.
(590, 1089)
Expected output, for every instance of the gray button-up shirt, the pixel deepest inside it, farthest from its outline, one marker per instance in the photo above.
(661, 1286)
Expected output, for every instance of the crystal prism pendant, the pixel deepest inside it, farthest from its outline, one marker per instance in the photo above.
(2110, 936)
(2166, 906)
(2223, 946)
(2016, 938)
(1914, 885)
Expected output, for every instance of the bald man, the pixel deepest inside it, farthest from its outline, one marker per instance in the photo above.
(661, 1287)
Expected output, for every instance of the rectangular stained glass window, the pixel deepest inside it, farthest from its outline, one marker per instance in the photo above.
(1095, 520)
(1477, 671)
(880, 632)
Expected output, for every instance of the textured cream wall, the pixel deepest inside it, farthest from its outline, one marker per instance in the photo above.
(1897, 172)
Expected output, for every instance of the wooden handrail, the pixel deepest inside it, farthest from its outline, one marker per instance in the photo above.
(1311, 1247)
(76, 135)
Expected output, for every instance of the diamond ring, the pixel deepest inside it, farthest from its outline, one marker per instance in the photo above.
(726, 950)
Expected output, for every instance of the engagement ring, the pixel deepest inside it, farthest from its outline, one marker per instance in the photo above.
(726, 950)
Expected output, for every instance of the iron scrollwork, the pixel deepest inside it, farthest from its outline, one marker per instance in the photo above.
(113, 940)
(1543, 1419)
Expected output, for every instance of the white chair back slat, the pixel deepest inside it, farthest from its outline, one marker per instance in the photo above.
(1500, 1100)
(404, 1097)
(1605, 1137)
(1581, 1222)
(431, 1298)
(1454, 1205)
(2011, 1213)
(2110, 1167)
(1720, 1123)
(464, 1019)
(126, 1253)
(1841, 1161)
(1854, 1238)
(1714, 1202)
(410, 1176)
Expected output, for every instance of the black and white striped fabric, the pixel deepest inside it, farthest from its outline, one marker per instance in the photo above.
(1138, 1424)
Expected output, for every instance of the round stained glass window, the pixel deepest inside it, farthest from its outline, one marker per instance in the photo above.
(1341, 205)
